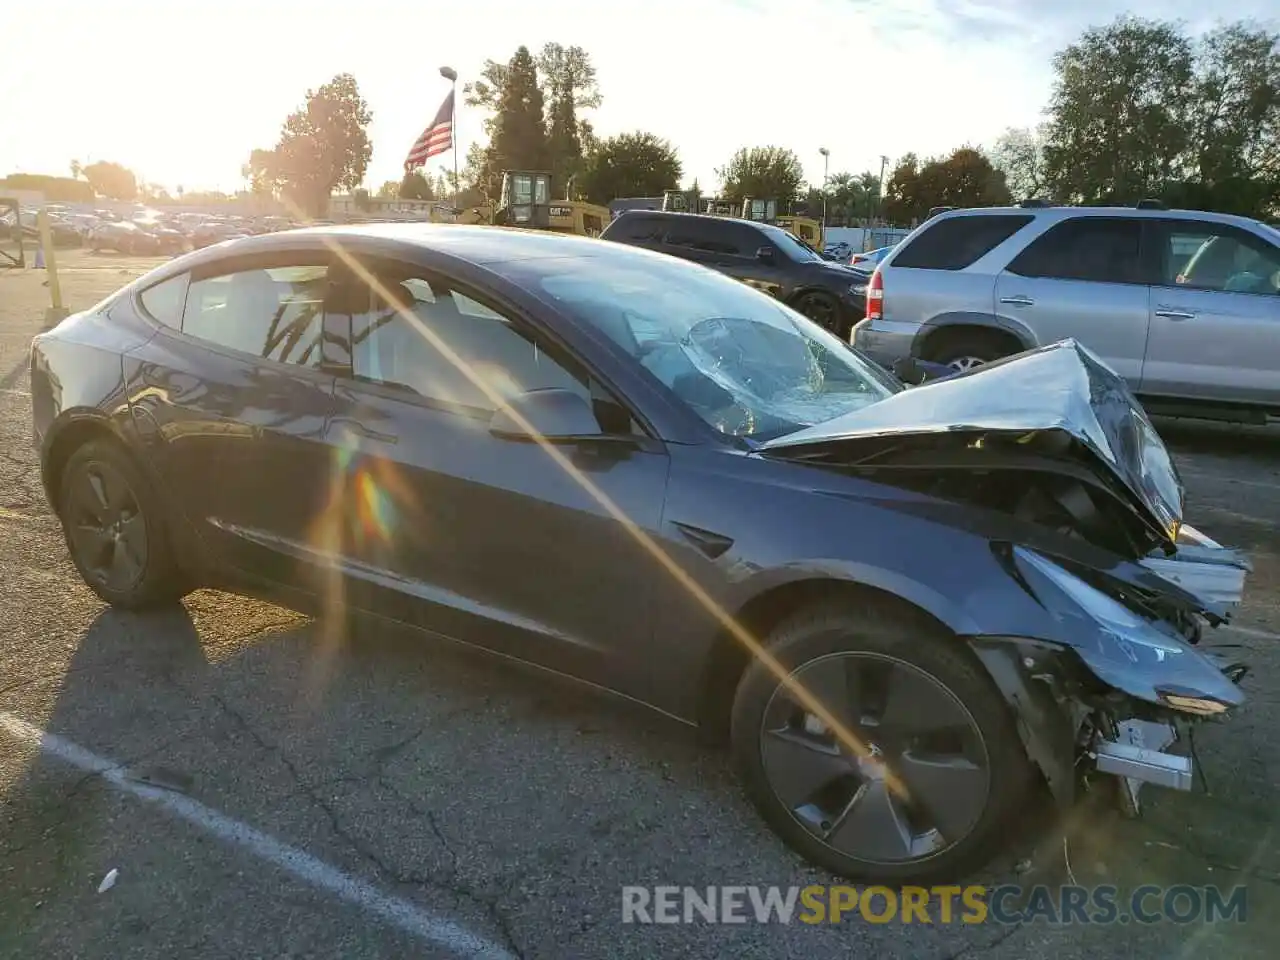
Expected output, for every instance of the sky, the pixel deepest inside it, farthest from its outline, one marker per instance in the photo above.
(181, 90)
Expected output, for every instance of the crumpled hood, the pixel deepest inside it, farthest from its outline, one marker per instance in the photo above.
(1062, 388)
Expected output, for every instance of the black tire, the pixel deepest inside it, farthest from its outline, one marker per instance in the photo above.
(936, 665)
(115, 529)
(960, 350)
(823, 309)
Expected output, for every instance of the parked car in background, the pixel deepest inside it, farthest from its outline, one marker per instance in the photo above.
(869, 259)
(840, 251)
(764, 256)
(1185, 305)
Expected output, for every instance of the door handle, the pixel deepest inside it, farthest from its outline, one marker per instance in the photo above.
(358, 429)
(1018, 301)
(1171, 314)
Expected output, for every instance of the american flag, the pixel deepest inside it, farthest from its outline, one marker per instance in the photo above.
(436, 139)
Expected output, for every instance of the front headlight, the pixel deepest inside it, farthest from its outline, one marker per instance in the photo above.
(1145, 659)
(858, 290)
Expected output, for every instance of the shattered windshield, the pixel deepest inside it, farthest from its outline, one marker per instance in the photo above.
(748, 365)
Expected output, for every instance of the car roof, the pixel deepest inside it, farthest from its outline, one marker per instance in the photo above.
(1063, 212)
(765, 228)
(479, 245)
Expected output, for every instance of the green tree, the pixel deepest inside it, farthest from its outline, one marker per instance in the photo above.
(324, 145)
(1120, 112)
(770, 173)
(565, 81)
(1139, 109)
(630, 165)
(389, 190)
(261, 173)
(64, 189)
(1236, 118)
(111, 180)
(415, 186)
(966, 178)
(568, 80)
(517, 129)
(1019, 155)
(850, 198)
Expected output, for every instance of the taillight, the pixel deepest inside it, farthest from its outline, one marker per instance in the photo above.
(875, 297)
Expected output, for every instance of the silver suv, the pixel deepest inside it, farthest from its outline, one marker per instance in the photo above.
(1185, 305)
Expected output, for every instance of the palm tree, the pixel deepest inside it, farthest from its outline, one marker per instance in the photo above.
(76, 169)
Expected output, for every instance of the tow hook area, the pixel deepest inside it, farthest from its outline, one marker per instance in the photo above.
(1138, 756)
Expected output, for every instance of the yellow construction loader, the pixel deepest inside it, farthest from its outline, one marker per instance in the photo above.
(791, 219)
(681, 201)
(762, 211)
(525, 201)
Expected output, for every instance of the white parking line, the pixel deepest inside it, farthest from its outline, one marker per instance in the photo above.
(436, 930)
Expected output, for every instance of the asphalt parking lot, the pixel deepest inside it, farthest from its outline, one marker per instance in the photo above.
(264, 787)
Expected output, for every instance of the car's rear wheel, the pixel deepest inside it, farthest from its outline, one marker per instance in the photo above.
(966, 350)
(115, 529)
(822, 309)
(934, 772)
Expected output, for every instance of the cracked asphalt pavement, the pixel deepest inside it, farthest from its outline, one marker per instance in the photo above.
(513, 805)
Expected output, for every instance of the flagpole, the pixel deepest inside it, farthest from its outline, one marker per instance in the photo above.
(451, 75)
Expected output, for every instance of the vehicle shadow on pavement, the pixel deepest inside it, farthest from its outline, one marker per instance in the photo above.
(512, 801)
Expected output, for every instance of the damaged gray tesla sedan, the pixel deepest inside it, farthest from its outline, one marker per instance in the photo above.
(902, 607)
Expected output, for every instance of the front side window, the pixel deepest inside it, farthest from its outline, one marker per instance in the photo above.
(742, 361)
(276, 313)
(1205, 256)
(418, 335)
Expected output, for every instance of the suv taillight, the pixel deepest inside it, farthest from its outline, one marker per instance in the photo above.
(875, 297)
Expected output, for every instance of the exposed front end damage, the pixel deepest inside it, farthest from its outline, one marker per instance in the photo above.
(1114, 700)
(1049, 457)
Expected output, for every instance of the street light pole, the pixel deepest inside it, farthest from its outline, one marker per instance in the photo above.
(884, 162)
(451, 75)
(826, 159)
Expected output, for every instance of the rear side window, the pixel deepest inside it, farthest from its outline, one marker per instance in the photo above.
(276, 313)
(1097, 249)
(957, 242)
(706, 236)
(640, 230)
(163, 302)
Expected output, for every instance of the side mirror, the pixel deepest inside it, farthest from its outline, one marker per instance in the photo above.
(555, 414)
(765, 254)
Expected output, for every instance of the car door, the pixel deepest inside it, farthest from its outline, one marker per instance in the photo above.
(1215, 314)
(1083, 278)
(728, 247)
(748, 255)
(469, 534)
(233, 403)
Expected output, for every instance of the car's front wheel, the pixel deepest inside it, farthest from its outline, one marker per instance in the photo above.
(115, 529)
(923, 788)
(822, 309)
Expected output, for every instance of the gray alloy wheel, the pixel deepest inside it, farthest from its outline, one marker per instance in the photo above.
(105, 524)
(913, 726)
(115, 530)
(938, 771)
(965, 363)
